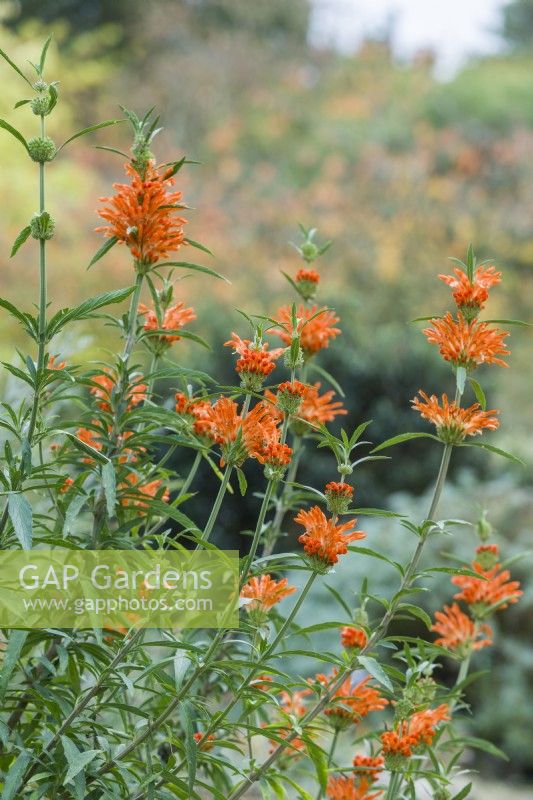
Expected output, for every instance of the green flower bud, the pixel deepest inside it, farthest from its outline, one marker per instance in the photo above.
(40, 105)
(42, 226)
(484, 528)
(345, 469)
(40, 85)
(41, 149)
(309, 251)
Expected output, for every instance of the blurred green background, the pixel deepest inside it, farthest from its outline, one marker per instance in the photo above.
(399, 167)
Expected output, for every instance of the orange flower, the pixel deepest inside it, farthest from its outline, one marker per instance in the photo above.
(148, 490)
(323, 540)
(454, 423)
(65, 486)
(319, 409)
(196, 409)
(492, 590)
(308, 275)
(471, 296)
(353, 637)
(105, 387)
(292, 703)
(174, 319)
(315, 326)
(368, 767)
(205, 744)
(458, 632)
(344, 788)
(88, 436)
(264, 592)
(255, 362)
(414, 732)
(142, 214)
(242, 438)
(351, 703)
(52, 363)
(467, 344)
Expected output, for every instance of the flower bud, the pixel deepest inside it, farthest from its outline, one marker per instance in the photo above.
(487, 556)
(345, 469)
(338, 497)
(483, 527)
(290, 396)
(307, 281)
(41, 149)
(293, 356)
(42, 226)
(309, 251)
(40, 105)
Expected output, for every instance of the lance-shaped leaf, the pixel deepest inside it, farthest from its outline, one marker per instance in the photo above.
(195, 268)
(90, 129)
(85, 309)
(404, 437)
(21, 238)
(15, 775)
(21, 516)
(14, 132)
(11, 656)
(17, 69)
(110, 487)
(105, 248)
(496, 450)
(84, 447)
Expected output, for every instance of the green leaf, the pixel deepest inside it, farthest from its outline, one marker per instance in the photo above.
(480, 744)
(105, 248)
(509, 322)
(497, 450)
(84, 447)
(28, 322)
(191, 748)
(21, 103)
(15, 773)
(43, 55)
(90, 129)
(72, 512)
(14, 66)
(198, 245)
(243, 483)
(376, 670)
(22, 518)
(21, 238)
(76, 759)
(86, 308)
(403, 437)
(418, 612)
(320, 761)
(11, 656)
(195, 267)
(110, 487)
(463, 793)
(14, 132)
(480, 394)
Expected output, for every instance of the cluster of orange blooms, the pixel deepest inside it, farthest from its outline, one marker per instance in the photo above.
(359, 785)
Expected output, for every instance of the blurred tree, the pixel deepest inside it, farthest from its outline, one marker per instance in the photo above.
(518, 24)
(276, 19)
(80, 14)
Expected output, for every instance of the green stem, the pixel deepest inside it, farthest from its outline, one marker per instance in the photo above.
(258, 531)
(331, 753)
(216, 506)
(282, 502)
(192, 474)
(394, 786)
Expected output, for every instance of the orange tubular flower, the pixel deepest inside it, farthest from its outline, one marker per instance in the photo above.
(105, 386)
(353, 637)
(412, 733)
(88, 436)
(351, 703)
(319, 409)
(307, 281)
(471, 296)
(491, 591)
(175, 318)
(255, 362)
(454, 423)
(323, 540)
(467, 344)
(344, 788)
(205, 744)
(253, 436)
(316, 327)
(52, 363)
(368, 767)
(149, 490)
(142, 215)
(65, 486)
(264, 592)
(458, 632)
